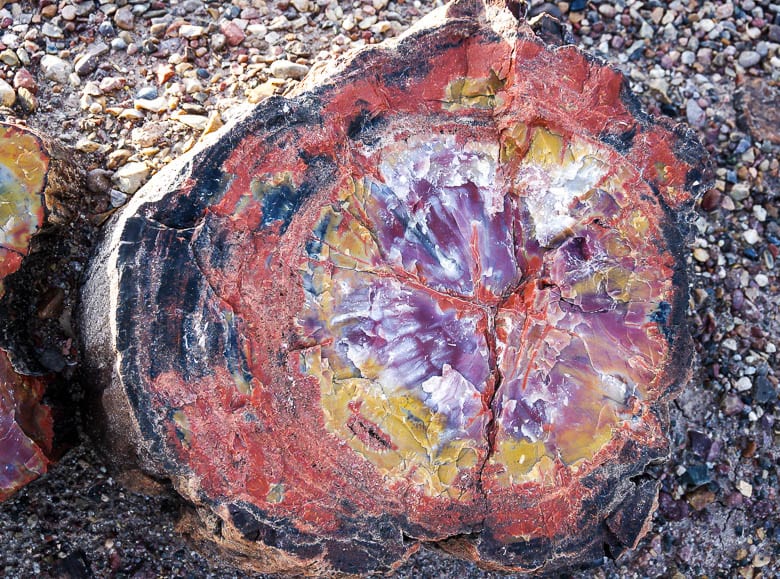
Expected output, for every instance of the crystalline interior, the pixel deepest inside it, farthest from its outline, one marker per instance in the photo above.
(22, 173)
(467, 293)
(25, 425)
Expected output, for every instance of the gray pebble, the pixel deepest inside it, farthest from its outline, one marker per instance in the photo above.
(147, 93)
(51, 30)
(217, 41)
(105, 28)
(192, 5)
(98, 180)
(87, 63)
(117, 198)
(695, 114)
(287, 69)
(55, 69)
(749, 58)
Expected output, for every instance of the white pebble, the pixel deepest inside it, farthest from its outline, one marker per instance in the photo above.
(743, 384)
(751, 236)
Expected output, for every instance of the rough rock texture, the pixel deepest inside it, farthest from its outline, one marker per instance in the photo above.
(25, 424)
(760, 103)
(433, 299)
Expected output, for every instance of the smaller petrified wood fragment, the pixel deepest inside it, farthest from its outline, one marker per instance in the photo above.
(437, 296)
(25, 424)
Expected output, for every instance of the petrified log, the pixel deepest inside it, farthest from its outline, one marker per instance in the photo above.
(436, 296)
(25, 424)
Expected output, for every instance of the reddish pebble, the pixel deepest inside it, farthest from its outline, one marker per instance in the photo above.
(164, 73)
(734, 500)
(711, 200)
(23, 79)
(233, 34)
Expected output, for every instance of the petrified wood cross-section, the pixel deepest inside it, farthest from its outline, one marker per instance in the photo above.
(437, 296)
(25, 424)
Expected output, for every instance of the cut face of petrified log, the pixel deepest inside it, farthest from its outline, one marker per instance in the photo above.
(25, 424)
(437, 296)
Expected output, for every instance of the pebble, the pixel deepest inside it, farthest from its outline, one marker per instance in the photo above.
(152, 105)
(217, 41)
(740, 191)
(87, 146)
(607, 10)
(687, 58)
(98, 180)
(7, 94)
(301, 5)
(164, 73)
(10, 58)
(68, 12)
(745, 489)
(724, 11)
(129, 177)
(190, 31)
(287, 69)
(744, 384)
(147, 93)
(700, 254)
(197, 122)
(23, 79)
(706, 25)
(27, 100)
(751, 236)
(749, 58)
(696, 116)
(55, 69)
(117, 158)
(52, 31)
(711, 200)
(124, 18)
(109, 84)
(117, 198)
(87, 63)
(233, 34)
(105, 28)
(150, 134)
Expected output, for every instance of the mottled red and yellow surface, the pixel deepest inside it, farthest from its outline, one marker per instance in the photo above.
(438, 297)
(25, 425)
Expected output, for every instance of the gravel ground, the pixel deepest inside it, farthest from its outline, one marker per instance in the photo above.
(134, 84)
